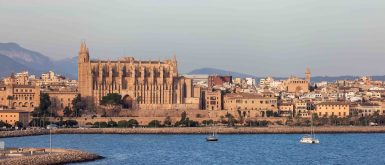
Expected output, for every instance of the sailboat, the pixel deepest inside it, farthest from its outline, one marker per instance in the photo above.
(310, 139)
(212, 137)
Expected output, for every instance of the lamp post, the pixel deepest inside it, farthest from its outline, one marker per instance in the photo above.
(50, 141)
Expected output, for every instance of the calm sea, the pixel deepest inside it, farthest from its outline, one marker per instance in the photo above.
(230, 149)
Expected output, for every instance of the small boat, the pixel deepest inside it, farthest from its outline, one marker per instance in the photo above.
(310, 139)
(212, 137)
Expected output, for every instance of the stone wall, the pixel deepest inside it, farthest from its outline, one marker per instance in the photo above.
(59, 156)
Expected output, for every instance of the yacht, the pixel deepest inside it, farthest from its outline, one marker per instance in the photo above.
(212, 137)
(310, 139)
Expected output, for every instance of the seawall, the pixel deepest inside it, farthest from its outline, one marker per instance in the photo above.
(200, 130)
(59, 156)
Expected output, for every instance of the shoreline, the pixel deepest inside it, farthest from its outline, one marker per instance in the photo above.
(199, 130)
(59, 156)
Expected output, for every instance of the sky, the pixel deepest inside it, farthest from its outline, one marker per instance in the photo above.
(258, 37)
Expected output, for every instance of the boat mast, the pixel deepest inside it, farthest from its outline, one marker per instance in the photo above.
(311, 126)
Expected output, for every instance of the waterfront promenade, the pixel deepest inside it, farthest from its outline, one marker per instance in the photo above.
(198, 130)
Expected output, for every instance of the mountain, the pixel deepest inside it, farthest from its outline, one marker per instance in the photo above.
(8, 66)
(35, 61)
(15, 58)
(67, 67)
(213, 71)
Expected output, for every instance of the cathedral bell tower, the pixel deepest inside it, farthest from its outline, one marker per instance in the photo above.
(84, 55)
(307, 73)
(84, 71)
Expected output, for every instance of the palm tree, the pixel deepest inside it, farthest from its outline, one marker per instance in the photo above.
(9, 98)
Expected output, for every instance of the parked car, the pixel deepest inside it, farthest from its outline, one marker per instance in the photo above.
(373, 124)
(52, 126)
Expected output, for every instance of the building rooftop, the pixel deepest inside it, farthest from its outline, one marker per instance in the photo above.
(334, 103)
(13, 111)
(244, 96)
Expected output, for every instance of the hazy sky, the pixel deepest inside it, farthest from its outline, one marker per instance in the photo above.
(259, 37)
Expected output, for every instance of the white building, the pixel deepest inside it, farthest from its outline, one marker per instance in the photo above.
(250, 81)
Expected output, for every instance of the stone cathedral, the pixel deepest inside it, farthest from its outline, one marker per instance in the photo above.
(142, 84)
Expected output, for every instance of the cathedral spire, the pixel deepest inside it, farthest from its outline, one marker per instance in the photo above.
(83, 47)
(174, 57)
(83, 53)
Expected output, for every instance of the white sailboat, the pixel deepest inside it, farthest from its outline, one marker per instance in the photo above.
(310, 139)
(212, 137)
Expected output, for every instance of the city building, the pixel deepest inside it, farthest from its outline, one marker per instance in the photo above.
(213, 100)
(250, 81)
(296, 85)
(253, 104)
(219, 81)
(151, 84)
(22, 97)
(13, 116)
(365, 109)
(338, 109)
(302, 110)
(286, 109)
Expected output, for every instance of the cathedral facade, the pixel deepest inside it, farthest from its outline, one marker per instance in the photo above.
(142, 84)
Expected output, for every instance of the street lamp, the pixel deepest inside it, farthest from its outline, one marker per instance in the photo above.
(50, 127)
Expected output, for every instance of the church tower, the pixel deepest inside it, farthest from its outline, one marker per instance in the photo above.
(307, 73)
(84, 71)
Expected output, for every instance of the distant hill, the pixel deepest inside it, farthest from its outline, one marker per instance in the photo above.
(36, 61)
(68, 67)
(335, 78)
(14, 58)
(213, 71)
(8, 66)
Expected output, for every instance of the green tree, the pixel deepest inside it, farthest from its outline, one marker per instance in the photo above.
(192, 123)
(183, 117)
(111, 99)
(42, 109)
(269, 113)
(67, 111)
(19, 124)
(78, 105)
(122, 124)
(154, 123)
(71, 123)
(230, 120)
(168, 121)
(183, 120)
(38, 122)
(112, 124)
(102, 124)
(132, 123)
(3, 124)
(240, 115)
(208, 122)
